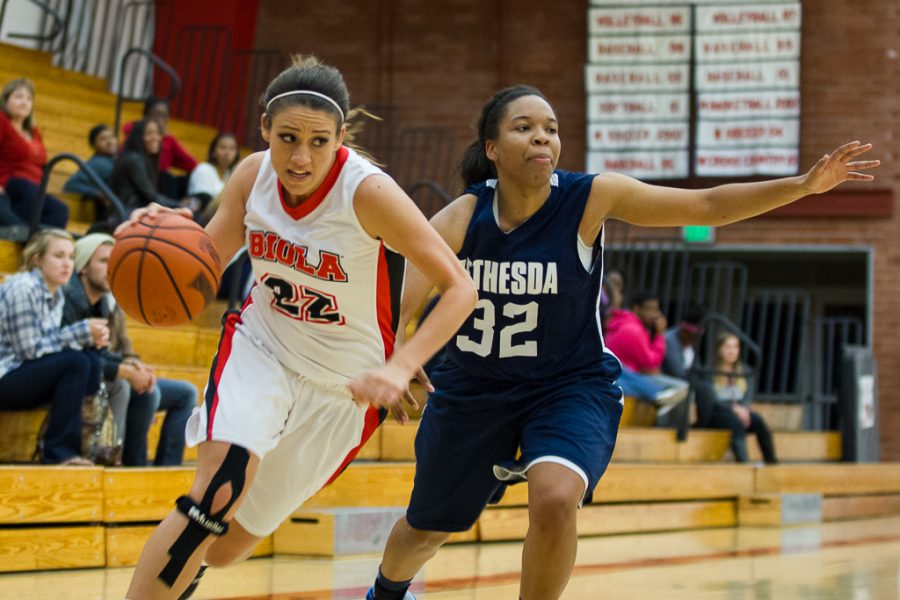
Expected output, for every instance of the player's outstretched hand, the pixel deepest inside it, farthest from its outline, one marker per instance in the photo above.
(152, 210)
(385, 387)
(838, 167)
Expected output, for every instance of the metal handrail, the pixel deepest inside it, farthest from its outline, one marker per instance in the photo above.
(433, 186)
(58, 23)
(107, 193)
(157, 61)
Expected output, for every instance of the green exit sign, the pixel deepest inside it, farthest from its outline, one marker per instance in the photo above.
(699, 234)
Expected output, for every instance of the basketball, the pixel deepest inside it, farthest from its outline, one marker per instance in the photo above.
(164, 270)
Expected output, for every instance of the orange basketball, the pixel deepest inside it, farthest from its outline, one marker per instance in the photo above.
(164, 270)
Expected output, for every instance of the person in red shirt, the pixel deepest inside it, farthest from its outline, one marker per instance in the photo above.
(171, 154)
(23, 156)
(637, 338)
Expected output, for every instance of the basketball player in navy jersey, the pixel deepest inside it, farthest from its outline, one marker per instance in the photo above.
(302, 370)
(528, 370)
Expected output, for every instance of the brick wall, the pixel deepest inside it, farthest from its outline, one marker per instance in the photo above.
(436, 63)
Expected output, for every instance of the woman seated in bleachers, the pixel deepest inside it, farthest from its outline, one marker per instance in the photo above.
(135, 174)
(40, 361)
(23, 156)
(209, 177)
(732, 407)
(172, 155)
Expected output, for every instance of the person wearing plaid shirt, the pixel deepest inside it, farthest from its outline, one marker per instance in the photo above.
(40, 361)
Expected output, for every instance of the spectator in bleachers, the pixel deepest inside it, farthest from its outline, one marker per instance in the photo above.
(732, 409)
(23, 156)
(103, 141)
(681, 341)
(637, 338)
(88, 295)
(171, 154)
(41, 361)
(610, 296)
(135, 176)
(209, 177)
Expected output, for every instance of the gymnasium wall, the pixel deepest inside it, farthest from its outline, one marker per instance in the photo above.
(436, 63)
(205, 60)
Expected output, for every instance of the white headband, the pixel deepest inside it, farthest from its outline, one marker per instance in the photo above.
(307, 93)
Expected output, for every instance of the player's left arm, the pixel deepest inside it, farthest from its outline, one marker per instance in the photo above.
(387, 213)
(616, 196)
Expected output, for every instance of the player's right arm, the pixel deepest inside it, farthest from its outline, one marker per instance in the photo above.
(226, 228)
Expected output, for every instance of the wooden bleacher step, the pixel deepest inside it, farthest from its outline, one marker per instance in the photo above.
(10, 256)
(184, 346)
(343, 531)
(45, 548)
(68, 104)
(64, 517)
(648, 444)
(125, 543)
(780, 510)
(608, 519)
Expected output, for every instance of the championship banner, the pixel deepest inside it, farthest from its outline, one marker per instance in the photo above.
(743, 163)
(638, 107)
(730, 105)
(747, 17)
(634, 78)
(603, 136)
(639, 20)
(738, 60)
(747, 76)
(747, 46)
(642, 165)
(637, 49)
(749, 133)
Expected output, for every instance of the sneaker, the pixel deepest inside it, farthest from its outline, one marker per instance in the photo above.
(671, 396)
(370, 595)
(192, 587)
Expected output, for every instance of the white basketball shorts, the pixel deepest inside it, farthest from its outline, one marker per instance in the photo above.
(303, 432)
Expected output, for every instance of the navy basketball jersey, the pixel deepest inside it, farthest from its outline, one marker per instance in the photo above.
(536, 317)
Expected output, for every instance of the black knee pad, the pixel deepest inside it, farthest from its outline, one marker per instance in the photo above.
(202, 522)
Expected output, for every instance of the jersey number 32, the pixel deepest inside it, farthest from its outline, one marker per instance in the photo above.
(519, 319)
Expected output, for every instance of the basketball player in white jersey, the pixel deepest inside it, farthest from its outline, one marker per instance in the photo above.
(307, 369)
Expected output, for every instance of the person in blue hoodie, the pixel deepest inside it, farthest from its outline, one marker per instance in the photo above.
(105, 145)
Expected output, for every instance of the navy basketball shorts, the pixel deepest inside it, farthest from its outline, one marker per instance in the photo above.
(467, 450)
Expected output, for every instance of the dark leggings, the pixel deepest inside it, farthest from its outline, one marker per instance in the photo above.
(23, 196)
(7, 215)
(62, 379)
(723, 417)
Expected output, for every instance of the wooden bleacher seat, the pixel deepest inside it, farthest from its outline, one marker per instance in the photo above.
(10, 256)
(651, 444)
(119, 503)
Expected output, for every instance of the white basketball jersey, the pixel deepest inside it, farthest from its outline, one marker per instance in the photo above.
(326, 298)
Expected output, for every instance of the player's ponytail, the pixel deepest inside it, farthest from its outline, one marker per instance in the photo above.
(475, 166)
